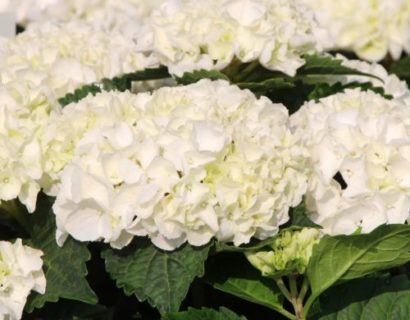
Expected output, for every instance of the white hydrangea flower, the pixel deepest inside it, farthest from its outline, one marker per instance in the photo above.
(25, 109)
(123, 16)
(20, 272)
(370, 28)
(70, 56)
(190, 34)
(359, 145)
(182, 164)
(36, 68)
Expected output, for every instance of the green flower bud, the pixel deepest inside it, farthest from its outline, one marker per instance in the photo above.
(289, 253)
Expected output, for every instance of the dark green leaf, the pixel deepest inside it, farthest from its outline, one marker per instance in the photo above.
(320, 65)
(163, 278)
(243, 281)
(402, 69)
(367, 298)
(204, 314)
(298, 218)
(120, 83)
(323, 90)
(349, 257)
(65, 267)
(195, 76)
(266, 85)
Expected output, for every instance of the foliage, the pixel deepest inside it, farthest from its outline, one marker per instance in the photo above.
(204, 314)
(358, 276)
(65, 267)
(120, 83)
(162, 278)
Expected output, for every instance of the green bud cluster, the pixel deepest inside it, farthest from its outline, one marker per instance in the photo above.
(289, 253)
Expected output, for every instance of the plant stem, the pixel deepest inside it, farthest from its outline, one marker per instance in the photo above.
(297, 303)
(304, 289)
(281, 285)
(309, 303)
(286, 313)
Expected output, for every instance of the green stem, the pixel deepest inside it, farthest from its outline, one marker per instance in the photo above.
(309, 303)
(282, 287)
(286, 313)
(222, 247)
(304, 289)
(293, 286)
(297, 303)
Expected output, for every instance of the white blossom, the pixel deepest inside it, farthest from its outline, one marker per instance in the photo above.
(182, 164)
(123, 16)
(370, 28)
(20, 272)
(36, 68)
(190, 34)
(361, 140)
(69, 56)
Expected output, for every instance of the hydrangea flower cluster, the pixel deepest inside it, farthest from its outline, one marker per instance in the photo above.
(359, 147)
(182, 164)
(25, 108)
(36, 68)
(370, 28)
(190, 34)
(289, 252)
(107, 15)
(70, 56)
(20, 272)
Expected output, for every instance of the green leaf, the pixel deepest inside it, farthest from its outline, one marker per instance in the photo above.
(349, 257)
(266, 85)
(323, 90)
(367, 298)
(389, 305)
(195, 76)
(402, 69)
(204, 314)
(233, 274)
(298, 218)
(319, 65)
(163, 278)
(120, 83)
(65, 267)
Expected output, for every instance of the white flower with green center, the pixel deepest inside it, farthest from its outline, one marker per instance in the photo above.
(36, 68)
(107, 15)
(69, 56)
(24, 113)
(20, 272)
(182, 164)
(359, 145)
(189, 35)
(289, 253)
(372, 29)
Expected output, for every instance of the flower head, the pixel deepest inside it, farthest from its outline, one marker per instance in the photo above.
(370, 28)
(187, 35)
(359, 146)
(180, 164)
(289, 253)
(20, 272)
(36, 68)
